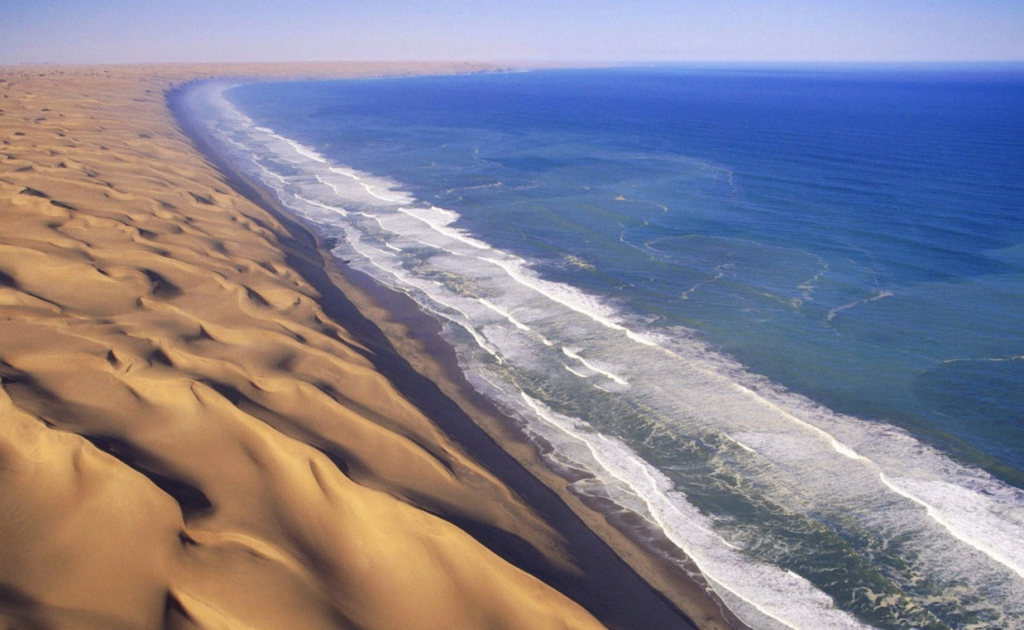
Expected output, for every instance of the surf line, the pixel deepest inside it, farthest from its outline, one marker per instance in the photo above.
(593, 368)
(653, 489)
(513, 267)
(936, 516)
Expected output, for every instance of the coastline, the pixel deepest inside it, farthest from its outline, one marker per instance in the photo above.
(410, 351)
(567, 543)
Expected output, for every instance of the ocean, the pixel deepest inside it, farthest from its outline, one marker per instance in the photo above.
(776, 312)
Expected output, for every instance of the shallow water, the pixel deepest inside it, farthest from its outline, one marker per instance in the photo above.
(778, 313)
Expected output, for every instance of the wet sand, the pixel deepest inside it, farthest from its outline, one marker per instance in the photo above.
(204, 422)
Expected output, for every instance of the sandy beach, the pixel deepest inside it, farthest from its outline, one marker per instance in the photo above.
(204, 423)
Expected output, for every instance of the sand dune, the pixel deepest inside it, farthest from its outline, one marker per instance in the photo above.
(187, 440)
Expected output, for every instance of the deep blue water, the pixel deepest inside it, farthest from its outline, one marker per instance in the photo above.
(777, 312)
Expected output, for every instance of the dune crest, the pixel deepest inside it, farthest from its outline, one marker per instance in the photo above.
(186, 439)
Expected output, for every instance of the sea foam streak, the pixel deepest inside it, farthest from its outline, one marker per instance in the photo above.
(743, 476)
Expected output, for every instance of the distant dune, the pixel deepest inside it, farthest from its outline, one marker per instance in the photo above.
(187, 438)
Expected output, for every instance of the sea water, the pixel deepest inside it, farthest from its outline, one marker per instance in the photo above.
(776, 312)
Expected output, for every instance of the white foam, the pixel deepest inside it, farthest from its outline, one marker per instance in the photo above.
(306, 151)
(831, 315)
(569, 297)
(777, 595)
(966, 527)
(739, 444)
(579, 374)
(376, 188)
(965, 517)
(500, 311)
(438, 219)
(593, 367)
(322, 206)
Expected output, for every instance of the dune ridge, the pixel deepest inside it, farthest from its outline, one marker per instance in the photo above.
(187, 438)
(187, 441)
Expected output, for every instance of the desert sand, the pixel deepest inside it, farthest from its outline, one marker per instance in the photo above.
(190, 439)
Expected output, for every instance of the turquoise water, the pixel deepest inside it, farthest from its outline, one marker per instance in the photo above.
(778, 313)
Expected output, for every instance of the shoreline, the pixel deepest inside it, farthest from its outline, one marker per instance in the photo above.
(199, 302)
(424, 367)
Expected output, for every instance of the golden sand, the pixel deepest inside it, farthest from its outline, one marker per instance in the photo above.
(187, 440)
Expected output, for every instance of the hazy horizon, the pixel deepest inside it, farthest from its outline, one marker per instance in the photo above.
(777, 31)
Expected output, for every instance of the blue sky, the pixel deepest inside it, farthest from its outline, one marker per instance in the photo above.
(101, 31)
